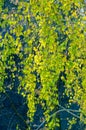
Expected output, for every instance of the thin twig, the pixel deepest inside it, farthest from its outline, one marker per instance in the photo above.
(67, 110)
(74, 110)
(63, 109)
(50, 117)
(10, 121)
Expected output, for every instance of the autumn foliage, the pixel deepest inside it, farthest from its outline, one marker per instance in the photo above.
(48, 38)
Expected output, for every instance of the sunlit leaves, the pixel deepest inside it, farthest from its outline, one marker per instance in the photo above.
(49, 38)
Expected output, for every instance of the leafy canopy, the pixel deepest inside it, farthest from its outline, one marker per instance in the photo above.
(49, 39)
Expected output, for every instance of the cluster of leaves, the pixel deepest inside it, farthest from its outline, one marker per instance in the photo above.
(49, 39)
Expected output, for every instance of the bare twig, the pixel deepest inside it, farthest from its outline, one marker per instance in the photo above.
(70, 111)
(10, 121)
(50, 117)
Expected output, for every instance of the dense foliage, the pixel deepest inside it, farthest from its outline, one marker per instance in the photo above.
(43, 45)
